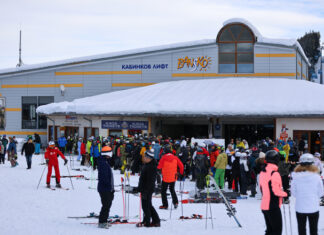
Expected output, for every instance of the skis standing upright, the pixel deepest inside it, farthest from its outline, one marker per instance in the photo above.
(229, 208)
(208, 205)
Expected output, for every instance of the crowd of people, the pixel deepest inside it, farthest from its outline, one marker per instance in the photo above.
(270, 170)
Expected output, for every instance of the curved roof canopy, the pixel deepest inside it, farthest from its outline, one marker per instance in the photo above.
(275, 97)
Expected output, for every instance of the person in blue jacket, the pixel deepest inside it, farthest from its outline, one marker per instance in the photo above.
(62, 143)
(105, 185)
(12, 152)
(157, 148)
(94, 153)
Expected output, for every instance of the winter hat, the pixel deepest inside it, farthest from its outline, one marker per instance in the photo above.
(149, 153)
(306, 159)
(261, 155)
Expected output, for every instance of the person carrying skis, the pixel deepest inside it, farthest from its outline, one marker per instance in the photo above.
(29, 149)
(272, 193)
(169, 165)
(105, 185)
(52, 161)
(307, 188)
(146, 186)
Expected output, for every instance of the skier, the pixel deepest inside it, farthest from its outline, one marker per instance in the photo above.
(62, 143)
(236, 171)
(52, 161)
(79, 149)
(136, 158)
(244, 174)
(307, 188)
(94, 153)
(317, 162)
(220, 166)
(12, 152)
(105, 185)
(2, 155)
(252, 166)
(37, 143)
(284, 171)
(169, 164)
(123, 157)
(272, 193)
(201, 163)
(29, 149)
(4, 141)
(146, 187)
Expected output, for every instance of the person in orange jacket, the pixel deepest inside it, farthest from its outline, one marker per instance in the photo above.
(169, 165)
(52, 161)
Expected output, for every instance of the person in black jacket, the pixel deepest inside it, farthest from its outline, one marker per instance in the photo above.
(146, 186)
(105, 185)
(29, 149)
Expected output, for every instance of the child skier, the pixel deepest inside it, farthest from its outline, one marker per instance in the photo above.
(52, 161)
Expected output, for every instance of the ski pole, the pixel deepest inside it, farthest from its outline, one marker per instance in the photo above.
(67, 167)
(122, 183)
(41, 176)
(171, 211)
(128, 177)
(181, 190)
(140, 208)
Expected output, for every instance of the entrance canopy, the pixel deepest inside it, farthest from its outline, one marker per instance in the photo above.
(254, 97)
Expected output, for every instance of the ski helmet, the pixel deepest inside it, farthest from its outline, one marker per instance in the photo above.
(272, 156)
(51, 144)
(306, 159)
(106, 151)
(149, 153)
(317, 154)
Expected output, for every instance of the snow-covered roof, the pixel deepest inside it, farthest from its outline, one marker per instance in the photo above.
(206, 97)
(80, 60)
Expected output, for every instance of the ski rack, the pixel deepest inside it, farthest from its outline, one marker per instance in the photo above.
(229, 208)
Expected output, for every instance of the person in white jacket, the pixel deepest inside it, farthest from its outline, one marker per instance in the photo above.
(307, 188)
(318, 163)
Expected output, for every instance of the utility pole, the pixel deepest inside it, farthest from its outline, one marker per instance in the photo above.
(20, 63)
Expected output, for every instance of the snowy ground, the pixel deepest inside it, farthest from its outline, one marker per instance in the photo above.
(26, 210)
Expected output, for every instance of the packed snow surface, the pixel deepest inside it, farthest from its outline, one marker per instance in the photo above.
(78, 60)
(218, 97)
(26, 210)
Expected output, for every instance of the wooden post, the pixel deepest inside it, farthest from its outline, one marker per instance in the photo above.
(149, 125)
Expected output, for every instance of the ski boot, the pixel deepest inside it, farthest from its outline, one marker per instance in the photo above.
(176, 206)
(163, 207)
(48, 186)
(58, 185)
(104, 225)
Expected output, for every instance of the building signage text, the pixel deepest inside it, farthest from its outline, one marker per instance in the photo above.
(118, 125)
(144, 66)
(194, 64)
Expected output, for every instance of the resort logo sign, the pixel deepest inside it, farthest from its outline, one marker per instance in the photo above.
(194, 64)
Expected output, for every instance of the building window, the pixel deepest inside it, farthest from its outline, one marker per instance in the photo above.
(235, 49)
(30, 119)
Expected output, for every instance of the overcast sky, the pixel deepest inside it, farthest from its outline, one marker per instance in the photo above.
(63, 29)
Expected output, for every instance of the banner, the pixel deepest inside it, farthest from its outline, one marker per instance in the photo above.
(118, 125)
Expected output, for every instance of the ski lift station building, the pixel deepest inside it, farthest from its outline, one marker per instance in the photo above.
(238, 54)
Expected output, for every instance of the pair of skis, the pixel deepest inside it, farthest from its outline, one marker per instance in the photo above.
(229, 208)
(125, 183)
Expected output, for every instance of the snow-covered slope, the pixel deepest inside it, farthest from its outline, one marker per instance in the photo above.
(219, 97)
(26, 210)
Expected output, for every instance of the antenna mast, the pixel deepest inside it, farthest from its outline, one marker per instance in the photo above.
(20, 63)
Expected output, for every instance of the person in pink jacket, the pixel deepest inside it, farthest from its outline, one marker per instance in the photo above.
(272, 194)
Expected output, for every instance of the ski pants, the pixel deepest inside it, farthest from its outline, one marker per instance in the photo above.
(49, 172)
(243, 183)
(106, 201)
(219, 177)
(313, 222)
(273, 221)
(62, 149)
(200, 181)
(148, 209)
(229, 178)
(2, 158)
(37, 148)
(29, 160)
(164, 188)
(79, 154)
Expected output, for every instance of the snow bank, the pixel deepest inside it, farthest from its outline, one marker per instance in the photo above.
(210, 97)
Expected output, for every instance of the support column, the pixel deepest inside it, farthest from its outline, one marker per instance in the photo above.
(149, 125)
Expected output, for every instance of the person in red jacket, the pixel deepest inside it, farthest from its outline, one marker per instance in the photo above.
(169, 165)
(83, 152)
(272, 193)
(52, 161)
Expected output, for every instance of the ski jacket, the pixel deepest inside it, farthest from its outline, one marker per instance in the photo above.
(183, 155)
(213, 157)
(4, 142)
(51, 155)
(146, 183)
(271, 188)
(12, 147)
(123, 153)
(221, 161)
(62, 142)
(105, 176)
(94, 151)
(82, 148)
(318, 163)
(88, 147)
(157, 149)
(29, 149)
(307, 188)
(201, 163)
(169, 165)
(37, 138)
